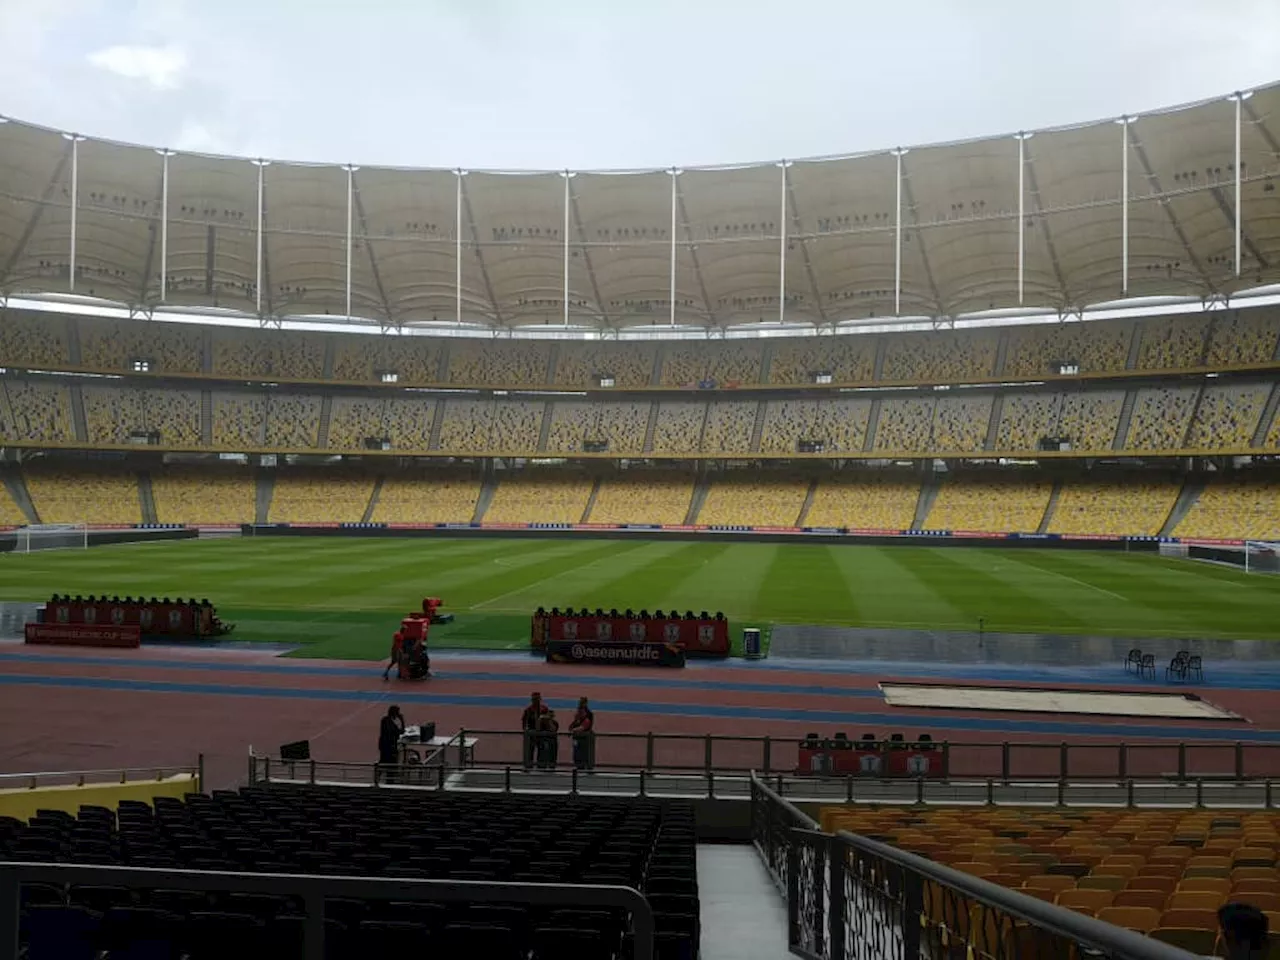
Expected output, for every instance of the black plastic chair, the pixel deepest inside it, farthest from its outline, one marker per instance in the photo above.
(139, 933)
(1148, 666)
(1195, 667)
(62, 933)
(1133, 661)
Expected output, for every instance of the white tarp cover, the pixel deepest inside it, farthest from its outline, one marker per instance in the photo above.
(1031, 700)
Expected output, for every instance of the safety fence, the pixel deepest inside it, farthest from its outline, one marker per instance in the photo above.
(1007, 760)
(314, 890)
(852, 897)
(701, 784)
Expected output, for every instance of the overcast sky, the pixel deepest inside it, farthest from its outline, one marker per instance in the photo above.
(582, 84)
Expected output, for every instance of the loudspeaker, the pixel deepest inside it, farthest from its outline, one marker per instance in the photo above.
(296, 751)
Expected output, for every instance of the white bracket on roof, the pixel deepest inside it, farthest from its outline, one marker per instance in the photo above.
(141, 311)
(271, 321)
(1215, 301)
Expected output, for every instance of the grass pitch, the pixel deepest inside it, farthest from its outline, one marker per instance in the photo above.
(344, 597)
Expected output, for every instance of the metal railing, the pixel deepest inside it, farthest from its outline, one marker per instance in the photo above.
(852, 897)
(116, 776)
(313, 890)
(702, 784)
(995, 760)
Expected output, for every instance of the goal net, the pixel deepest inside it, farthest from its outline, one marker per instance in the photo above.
(51, 536)
(1252, 556)
(1261, 556)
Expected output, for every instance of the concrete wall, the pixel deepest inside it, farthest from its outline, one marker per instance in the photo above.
(23, 803)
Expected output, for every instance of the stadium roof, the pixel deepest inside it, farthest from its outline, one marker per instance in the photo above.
(1057, 220)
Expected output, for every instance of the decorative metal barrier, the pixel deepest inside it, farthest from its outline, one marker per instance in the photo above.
(696, 784)
(314, 889)
(851, 897)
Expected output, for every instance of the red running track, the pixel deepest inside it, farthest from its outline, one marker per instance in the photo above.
(63, 709)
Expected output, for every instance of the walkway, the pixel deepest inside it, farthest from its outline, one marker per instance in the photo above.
(743, 915)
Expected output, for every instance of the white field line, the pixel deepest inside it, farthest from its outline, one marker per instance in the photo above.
(1082, 583)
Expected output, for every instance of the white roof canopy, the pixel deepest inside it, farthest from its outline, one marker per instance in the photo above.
(1058, 220)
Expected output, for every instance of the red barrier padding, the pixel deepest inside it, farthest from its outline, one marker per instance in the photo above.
(83, 635)
(889, 762)
(698, 638)
(166, 619)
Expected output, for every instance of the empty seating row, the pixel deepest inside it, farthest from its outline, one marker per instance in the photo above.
(1161, 873)
(645, 844)
(1223, 339)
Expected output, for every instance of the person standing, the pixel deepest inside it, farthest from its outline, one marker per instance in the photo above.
(548, 741)
(583, 729)
(397, 651)
(389, 734)
(1244, 931)
(530, 722)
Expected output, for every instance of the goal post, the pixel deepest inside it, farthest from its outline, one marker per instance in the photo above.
(1261, 556)
(51, 536)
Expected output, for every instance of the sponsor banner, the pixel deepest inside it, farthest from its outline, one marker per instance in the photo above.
(83, 634)
(1033, 536)
(624, 654)
(1089, 536)
(826, 530)
(698, 638)
(645, 526)
(870, 532)
(925, 533)
(1202, 542)
(978, 535)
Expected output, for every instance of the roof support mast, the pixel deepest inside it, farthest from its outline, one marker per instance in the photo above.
(164, 223)
(567, 176)
(897, 236)
(782, 247)
(457, 251)
(1239, 99)
(1022, 213)
(75, 139)
(261, 165)
(674, 173)
(1124, 205)
(351, 173)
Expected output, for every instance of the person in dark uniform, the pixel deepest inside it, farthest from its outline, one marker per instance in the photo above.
(389, 737)
(1244, 930)
(583, 728)
(530, 722)
(548, 740)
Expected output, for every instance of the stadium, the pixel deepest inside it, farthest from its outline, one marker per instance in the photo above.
(965, 452)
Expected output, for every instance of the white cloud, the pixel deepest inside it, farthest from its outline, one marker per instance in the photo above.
(161, 67)
(197, 138)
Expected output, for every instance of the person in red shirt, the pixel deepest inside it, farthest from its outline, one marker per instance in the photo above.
(584, 740)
